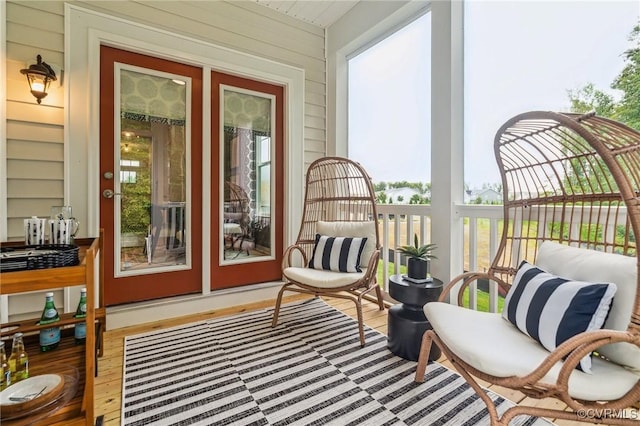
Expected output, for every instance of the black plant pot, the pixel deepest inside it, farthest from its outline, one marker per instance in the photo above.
(417, 268)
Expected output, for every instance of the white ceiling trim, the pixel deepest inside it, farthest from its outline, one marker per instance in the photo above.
(321, 13)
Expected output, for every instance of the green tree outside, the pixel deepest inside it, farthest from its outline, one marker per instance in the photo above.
(627, 109)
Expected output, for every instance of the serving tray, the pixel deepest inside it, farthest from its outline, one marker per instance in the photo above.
(20, 258)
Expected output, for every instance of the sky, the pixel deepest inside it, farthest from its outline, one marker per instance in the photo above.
(519, 56)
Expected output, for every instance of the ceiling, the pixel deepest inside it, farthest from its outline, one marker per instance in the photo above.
(321, 13)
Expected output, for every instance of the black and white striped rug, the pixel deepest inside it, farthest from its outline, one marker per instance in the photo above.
(309, 370)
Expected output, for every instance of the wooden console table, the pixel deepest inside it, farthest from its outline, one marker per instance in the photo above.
(69, 358)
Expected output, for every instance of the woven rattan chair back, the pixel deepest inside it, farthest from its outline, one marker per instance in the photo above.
(237, 205)
(568, 178)
(337, 190)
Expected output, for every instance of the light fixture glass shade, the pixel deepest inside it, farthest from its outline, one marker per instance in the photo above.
(39, 76)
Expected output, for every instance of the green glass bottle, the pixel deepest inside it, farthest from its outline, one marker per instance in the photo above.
(80, 329)
(5, 372)
(49, 337)
(19, 360)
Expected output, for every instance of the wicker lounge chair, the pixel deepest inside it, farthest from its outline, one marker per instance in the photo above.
(571, 187)
(339, 202)
(237, 219)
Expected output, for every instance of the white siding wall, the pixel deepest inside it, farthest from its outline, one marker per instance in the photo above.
(35, 152)
(34, 132)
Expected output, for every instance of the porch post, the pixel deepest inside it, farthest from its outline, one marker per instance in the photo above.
(447, 165)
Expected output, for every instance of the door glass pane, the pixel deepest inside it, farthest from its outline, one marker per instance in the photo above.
(152, 210)
(248, 183)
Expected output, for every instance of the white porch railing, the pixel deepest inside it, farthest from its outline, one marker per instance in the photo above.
(482, 227)
(399, 222)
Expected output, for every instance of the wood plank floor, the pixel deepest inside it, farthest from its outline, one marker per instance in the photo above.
(108, 384)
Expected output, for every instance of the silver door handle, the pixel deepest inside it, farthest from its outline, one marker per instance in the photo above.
(107, 193)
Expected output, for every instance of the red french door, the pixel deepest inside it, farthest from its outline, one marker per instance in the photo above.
(247, 164)
(150, 176)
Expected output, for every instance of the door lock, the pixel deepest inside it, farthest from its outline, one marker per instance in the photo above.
(108, 175)
(107, 193)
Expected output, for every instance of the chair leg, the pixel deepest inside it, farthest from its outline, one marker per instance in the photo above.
(423, 357)
(380, 298)
(431, 337)
(276, 311)
(360, 321)
(491, 407)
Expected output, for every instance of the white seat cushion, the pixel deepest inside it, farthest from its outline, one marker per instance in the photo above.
(321, 278)
(489, 343)
(591, 265)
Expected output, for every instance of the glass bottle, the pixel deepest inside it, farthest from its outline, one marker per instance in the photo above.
(49, 337)
(19, 359)
(80, 329)
(5, 372)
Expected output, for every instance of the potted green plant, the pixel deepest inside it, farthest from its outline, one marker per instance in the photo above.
(419, 257)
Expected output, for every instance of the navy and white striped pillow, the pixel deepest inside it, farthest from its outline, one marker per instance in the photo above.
(552, 309)
(340, 254)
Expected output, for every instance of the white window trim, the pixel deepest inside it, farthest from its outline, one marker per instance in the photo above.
(85, 31)
(447, 124)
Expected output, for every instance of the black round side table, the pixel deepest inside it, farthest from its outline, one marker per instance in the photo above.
(407, 322)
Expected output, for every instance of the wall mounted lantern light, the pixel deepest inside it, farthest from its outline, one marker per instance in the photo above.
(39, 76)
